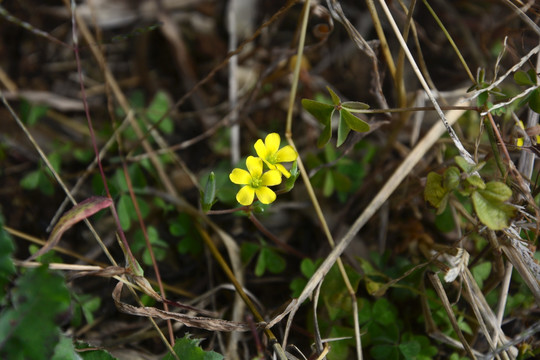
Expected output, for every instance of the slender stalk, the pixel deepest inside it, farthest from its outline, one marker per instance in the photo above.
(451, 41)
(305, 177)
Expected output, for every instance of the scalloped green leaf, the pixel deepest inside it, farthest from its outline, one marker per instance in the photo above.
(497, 191)
(188, 348)
(320, 111)
(354, 123)
(463, 164)
(476, 181)
(451, 178)
(434, 192)
(494, 214)
(335, 99)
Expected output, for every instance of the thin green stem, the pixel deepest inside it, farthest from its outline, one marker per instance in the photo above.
(297, 66)
(451, 41)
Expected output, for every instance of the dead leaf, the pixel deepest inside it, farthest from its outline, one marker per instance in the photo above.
(191, 321)
(79, 212)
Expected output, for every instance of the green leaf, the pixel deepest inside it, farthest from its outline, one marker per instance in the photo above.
(248, 251)
(124, 207)
(93, 354)
(291, 180)
(463, 164)
(7, 269)
(31, 180)
(409, 349)
(260, 266)
(481, 272)
(476, 181)
(157, 109)
(273, 261)
(534, 101)
(384, 312)
(354, 106)
(523, 78)
(31, 113)
(335, 99)
(494, 214)
(384, 352)
(497, 191)
(434, 193)
(39, 297)
(320, 111)
(326, 134)
(354, 123)
(188, 348)
(308, 267)
(451, 178)
(343, 130)
(208, 197)
(328, 185)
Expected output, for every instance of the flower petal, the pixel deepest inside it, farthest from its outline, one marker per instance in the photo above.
(254, 165)
(270, 165)
(245, 195)
(272, 142)
(265, 195)
(260, 149)
(286, 154)
(271, 177)
(282, 170)
(240, 176)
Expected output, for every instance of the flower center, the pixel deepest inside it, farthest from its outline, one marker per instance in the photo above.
(256, 182)
(272, 159)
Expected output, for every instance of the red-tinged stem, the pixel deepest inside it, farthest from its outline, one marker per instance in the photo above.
(149, 246)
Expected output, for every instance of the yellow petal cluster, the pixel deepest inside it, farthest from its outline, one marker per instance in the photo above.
(272, 155)
(255, 181)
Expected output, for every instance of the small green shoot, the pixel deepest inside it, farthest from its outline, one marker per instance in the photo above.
(347, 121)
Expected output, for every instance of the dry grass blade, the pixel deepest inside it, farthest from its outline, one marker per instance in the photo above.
(191, 321)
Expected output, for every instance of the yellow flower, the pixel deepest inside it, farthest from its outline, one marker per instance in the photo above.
(272, 155)
(255, 182)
